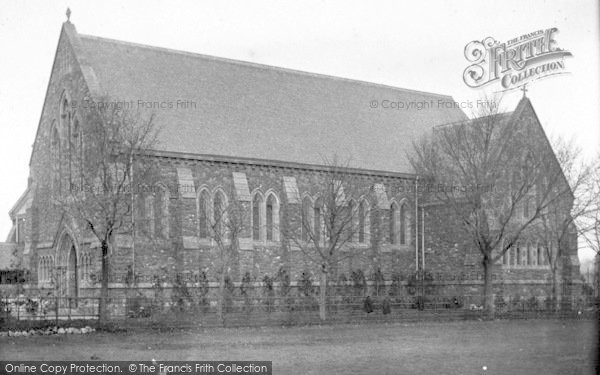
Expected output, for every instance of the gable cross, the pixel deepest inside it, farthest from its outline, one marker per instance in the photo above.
(524, 89)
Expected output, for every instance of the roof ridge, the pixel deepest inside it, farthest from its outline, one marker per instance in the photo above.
(469, 120)
(262, 66)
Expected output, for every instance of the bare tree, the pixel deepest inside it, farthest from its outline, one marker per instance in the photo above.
(226, 227)
(558, 224)
(99, 191)
(589, 224)
(331, 224)
(498, 174)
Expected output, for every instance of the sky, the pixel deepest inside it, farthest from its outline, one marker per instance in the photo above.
(408, 44)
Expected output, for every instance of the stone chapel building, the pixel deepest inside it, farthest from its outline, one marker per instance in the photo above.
(262, 133)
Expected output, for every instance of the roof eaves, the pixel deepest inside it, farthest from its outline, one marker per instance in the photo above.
(276, 163)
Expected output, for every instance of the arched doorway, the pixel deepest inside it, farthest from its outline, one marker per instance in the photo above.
(68, 268)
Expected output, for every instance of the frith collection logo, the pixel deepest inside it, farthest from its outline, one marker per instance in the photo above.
(516, 62)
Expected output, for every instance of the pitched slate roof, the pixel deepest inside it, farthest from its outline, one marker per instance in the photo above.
(246, 110)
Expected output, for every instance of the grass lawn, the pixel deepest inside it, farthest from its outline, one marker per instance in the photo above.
(505, 347)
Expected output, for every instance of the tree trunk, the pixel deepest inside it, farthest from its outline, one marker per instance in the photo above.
(103, 308)
(323, 295)
(221, 303)
(556, 290)
(488, 295)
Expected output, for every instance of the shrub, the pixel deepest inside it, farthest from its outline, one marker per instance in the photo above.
(268, 292)
(306, 290)
(202, 291)
(344, 290)
(180, 295)
(379, 281)
(245, 291)
(359, 282)
(285, 288)
(532, 303)
(305, 284)
(396, 287)
(499, 302)
(411, 284)
(31, 306)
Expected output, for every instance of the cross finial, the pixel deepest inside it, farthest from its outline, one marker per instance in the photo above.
(68, 14)
(524, 89)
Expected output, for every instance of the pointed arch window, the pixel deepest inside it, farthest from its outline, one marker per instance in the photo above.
(269, 210)
(202, 208)
(403, 224)
(77, 154)
(66, 131)
(88, 267)
(149, 214)
(145, 212)
(353, 220)
(394, 223)
(81, 267)
(257, 217)
(306, 224)
(47, 268)
(219, 204)
(64, 111)
(363, 222)
(318, 220)
(41, 270)
(272, 213)
(45, 265)
(548, 253)
(161, 209)
(512, 257)
(55, 156)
